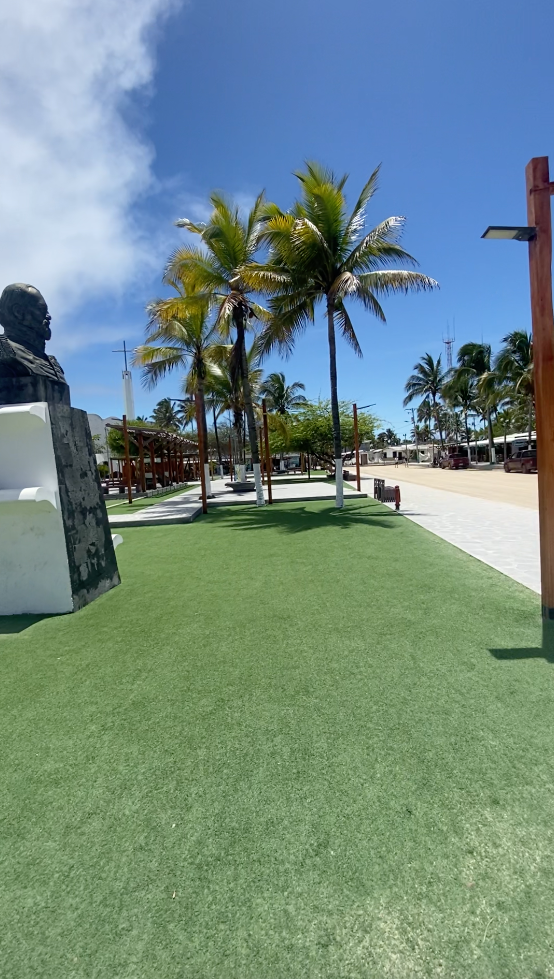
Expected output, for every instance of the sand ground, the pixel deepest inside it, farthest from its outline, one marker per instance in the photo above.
(485, 484)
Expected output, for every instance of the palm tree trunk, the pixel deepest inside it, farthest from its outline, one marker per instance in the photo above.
(435, 406)
(337, 440)
(205, 460)
(249, 410)
(492, 451)
(216, 433)
(467, 438)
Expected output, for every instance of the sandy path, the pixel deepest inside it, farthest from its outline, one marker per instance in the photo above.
(485, 484)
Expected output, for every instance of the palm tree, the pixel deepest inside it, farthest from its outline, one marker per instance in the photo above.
(461, 392)
(318, 253)
(475, 359)
(427, 381)
(282, 398)
(180, 334)
(514, 365)
(226, 392)
(215, 271)
(165, 415)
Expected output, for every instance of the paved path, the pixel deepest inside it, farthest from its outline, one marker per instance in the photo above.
(283, 492)
(186, 507)
(482, 481)
(179, 509)
(502, 535)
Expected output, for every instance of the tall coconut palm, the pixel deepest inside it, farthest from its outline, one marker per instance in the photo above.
(475, 359)
(215, 272)
(318, 253)
(427, 381)
(514, 365)
(461, 392)
(181, 335)
(282, 398)
(225, 388)
(165, 415)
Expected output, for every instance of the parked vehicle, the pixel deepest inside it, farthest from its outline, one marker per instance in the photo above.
(455, 462)
(522, 461)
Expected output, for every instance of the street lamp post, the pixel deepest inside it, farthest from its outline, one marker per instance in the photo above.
(539, 235)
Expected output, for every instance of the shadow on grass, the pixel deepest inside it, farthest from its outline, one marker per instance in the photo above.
(302, 518)
(544, 651)
(11, 624)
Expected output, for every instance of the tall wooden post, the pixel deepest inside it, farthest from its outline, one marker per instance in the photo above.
(357, 449)
(127, 460)
(153, 464)
(141, 457)
(177, 477)
(182, 465)
(267, 453)
(262, 454)
(539, 189)
(200, 430)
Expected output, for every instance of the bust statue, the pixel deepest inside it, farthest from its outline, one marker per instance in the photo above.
(26, 321)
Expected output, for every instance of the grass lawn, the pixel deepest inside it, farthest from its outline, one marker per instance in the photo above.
(143, 501)
(281, 749)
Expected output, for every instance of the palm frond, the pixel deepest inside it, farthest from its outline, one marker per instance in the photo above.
(346, 328)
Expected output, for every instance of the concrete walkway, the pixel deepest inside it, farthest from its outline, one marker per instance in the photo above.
(186, 507)
(179, 509)
(283, 492)
(502, 535)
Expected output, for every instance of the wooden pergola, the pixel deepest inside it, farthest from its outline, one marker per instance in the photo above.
(166, 453)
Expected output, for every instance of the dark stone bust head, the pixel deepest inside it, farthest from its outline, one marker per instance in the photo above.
(25, 317)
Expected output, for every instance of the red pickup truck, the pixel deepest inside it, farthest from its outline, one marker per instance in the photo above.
(455, 462)
(522, 461)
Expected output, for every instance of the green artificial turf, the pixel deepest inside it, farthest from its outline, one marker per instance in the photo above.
(142, 501)
(282, 748)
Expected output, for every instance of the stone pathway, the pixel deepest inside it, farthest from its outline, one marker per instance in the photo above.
(502, 535)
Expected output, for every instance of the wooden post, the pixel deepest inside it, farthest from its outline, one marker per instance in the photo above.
(262, 454)
(201, 453)
(182, 461)
(153, 464)
(177, 477)
(357, 449)
(162, 464)
(308, 461)
(267, 453)
(141, 457)
(127, 460)
(539, 189)
(230, 459)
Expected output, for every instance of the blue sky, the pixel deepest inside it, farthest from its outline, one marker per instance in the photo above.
(451, 98)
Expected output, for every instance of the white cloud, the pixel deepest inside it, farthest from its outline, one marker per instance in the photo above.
(71, 168)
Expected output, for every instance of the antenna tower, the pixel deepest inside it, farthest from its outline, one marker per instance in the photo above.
(448, 344)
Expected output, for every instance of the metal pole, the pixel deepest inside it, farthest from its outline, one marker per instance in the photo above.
(267, 453)
(200, 430)
(539, 190)
(357, 449)
(127, 460)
